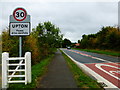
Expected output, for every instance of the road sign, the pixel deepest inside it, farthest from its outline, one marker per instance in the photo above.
(19, 29)
(19, 26)
(19, 14)
(19, 23)
(12, 19)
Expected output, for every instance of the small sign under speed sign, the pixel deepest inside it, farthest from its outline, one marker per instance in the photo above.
(19, 14)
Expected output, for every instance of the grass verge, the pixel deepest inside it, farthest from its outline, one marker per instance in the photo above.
(82, 80)
(38, 71)
(107, 52)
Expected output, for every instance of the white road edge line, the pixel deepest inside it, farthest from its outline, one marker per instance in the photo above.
(91, 72)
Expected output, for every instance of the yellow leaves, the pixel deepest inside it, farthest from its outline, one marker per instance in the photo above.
(5, 41)
(107, 38)
(31, 42)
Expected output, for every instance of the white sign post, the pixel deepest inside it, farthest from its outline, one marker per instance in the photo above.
(19, 25)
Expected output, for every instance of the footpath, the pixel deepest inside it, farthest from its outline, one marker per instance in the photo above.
(58, 75)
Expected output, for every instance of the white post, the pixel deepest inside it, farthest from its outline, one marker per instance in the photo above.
(5, 56)
(28, 64)
(25, 69)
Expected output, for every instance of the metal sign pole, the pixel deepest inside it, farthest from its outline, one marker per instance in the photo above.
(20, 53)
(20, 46)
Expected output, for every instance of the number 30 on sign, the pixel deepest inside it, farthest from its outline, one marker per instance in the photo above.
(19, 14)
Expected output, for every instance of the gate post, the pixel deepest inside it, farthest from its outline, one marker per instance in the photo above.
(5, 56)
(28, 64)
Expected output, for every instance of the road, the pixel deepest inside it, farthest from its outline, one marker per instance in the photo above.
(102, 67)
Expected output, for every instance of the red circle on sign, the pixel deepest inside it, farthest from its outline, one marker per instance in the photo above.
(16, 11)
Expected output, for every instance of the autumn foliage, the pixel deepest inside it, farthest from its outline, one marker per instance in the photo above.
(42, 41)
(106, 38)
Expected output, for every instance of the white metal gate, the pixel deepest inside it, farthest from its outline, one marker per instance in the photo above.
(8, 73)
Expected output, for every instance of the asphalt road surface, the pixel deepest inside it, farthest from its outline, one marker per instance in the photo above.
(104, 66)
(58, 75)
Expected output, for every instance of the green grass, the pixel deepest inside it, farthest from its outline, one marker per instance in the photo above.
(38, 71)
(107, 52)
(82, 80)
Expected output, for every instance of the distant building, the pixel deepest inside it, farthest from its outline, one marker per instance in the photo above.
(77, 45)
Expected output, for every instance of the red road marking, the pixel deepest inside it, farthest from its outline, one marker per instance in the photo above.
(114, 71)
(109, 71)
(84, 54)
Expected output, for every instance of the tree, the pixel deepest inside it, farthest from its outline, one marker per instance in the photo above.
(49, 37)
(84, 41)
(66, 42)
(42, 41)
(10, 43)
(106, 38)
(79, 41)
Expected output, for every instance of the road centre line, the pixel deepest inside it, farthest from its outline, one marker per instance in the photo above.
(92, 57)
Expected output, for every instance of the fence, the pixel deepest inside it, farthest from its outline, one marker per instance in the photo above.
(11, 70)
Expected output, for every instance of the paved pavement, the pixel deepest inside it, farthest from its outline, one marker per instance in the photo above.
(103, 67)
(58, 75)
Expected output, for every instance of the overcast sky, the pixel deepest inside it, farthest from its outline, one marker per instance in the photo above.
(73, 18)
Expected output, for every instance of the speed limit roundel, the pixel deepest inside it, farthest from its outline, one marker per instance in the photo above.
(19, 14)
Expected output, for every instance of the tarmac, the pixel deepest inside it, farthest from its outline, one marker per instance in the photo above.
(58, 75)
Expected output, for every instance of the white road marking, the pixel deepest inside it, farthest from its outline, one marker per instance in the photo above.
(99, 67)
(91, 72)
(113, 72)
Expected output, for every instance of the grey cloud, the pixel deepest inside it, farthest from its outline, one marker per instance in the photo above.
(73, 18)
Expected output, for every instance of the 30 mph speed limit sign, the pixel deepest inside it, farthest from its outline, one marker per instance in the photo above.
(19, 14)
(19, 23)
